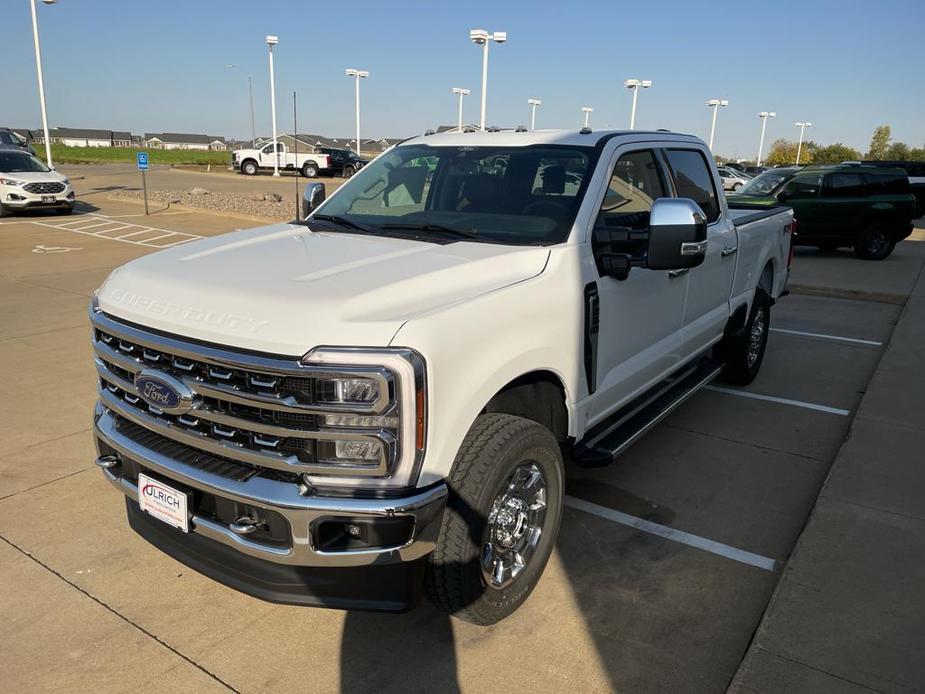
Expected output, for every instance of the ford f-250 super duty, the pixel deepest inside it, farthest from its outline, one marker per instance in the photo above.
(376, 402)
(251, 161)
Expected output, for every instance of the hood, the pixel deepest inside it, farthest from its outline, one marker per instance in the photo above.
(285, 289)
(36, 176)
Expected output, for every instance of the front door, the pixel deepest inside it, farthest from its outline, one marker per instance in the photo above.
(802, 193)
(639, 338)
(710, 284)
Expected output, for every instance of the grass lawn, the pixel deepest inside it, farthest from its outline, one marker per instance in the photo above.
(63, 154)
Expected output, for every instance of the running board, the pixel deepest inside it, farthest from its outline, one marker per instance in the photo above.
(609, 439)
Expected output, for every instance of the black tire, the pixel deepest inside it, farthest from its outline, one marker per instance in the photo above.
(497, 449)
(348, 171)
(736, 186)
(4, 211)
(742, 354)
(249, 167)
(874, 243)
(309, 170)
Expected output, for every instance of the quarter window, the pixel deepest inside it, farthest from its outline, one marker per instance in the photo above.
(636, 182)
(692, 180)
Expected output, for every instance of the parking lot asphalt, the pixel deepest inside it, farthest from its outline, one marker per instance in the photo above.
(664, 567)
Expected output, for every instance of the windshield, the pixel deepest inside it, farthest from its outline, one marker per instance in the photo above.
(11, 138)
(763, 184)
(18, 162)
(511, 195)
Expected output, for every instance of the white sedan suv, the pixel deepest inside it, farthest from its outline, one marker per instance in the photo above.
(27, 183)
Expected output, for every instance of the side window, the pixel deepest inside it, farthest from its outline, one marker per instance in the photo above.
(268, 149)
(636, 182)
(845, 185)
(888, 184)
(692, 180)
(802, 187)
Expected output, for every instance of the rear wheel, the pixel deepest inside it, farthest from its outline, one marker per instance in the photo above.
(736, 186)
(348, 171)
(309, 170)
(743, 353)
(501, 521)
(875, 243)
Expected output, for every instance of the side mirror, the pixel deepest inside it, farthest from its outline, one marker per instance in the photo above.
(312, 197)
(677, 234)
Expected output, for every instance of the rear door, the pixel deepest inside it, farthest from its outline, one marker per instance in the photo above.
(639, 338)
(710, 284)
(844, 202)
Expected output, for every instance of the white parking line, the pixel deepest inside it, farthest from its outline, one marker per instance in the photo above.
(81, 226)
(718, 548)
(782, 401)
(873, 343)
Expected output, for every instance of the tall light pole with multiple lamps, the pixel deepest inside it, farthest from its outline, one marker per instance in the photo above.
(587, 110)
(38, 69)
(636, 85)
(460, 92)
(715, 104)
(272, 41)
(357, 75)
(802, 126)
(481, 37)
(533, 103)
(764, 115)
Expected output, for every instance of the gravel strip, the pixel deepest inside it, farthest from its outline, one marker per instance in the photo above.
(283, 210)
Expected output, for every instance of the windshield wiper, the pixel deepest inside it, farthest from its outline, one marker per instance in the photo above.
(438, 228)
(337, 219)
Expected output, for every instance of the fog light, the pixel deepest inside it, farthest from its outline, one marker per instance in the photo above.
(352, 529)
(358, 450)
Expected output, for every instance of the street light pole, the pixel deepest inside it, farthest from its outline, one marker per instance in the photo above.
(635, 85)
(357, 75)
(250, 88)
(802, 127)
(533, 104)
(715, 105)
(587, 111)
(481, 37)
(38, 69)
(764, 115)
(272, 41)
(461, 92)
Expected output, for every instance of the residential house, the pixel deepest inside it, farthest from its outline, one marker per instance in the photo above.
(466, 128)
(184, 141)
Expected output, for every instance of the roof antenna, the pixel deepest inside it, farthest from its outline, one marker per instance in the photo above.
(586, 130)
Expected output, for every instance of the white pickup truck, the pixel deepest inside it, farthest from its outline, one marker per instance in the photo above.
(252, 161)
(376, 402)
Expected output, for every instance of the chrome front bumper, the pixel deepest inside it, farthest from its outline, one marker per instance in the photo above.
(301, 512)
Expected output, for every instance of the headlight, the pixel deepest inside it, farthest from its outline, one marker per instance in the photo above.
(11, 182)
(66, 182)
(374, 416)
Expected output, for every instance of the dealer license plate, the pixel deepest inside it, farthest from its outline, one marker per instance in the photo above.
(48, 198)
(163, 502)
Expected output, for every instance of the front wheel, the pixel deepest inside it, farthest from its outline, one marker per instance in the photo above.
(501, 521)
(736, 186)
(874, 244)
(4, 211)
(249, 168)
(743, 353)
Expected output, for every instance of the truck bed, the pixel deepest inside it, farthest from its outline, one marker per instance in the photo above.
(744, 213)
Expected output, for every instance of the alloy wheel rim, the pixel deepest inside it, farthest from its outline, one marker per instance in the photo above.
(876, 242)
(755, 337)
(514, 526)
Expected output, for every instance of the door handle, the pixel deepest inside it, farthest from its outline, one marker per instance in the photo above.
(730, 250)
(672, 274)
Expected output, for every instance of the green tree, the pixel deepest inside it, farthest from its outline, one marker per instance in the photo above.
(879, 142)
(835, 154)
(897, 150)
(917, 154)
(784, 153)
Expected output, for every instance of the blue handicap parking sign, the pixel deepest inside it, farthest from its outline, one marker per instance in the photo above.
(142, 159)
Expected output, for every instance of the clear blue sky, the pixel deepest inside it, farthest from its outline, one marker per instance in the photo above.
(845, 65)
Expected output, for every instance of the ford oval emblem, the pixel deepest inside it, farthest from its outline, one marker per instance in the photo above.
(163, 391)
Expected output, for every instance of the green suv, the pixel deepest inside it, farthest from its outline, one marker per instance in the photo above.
(867, 209)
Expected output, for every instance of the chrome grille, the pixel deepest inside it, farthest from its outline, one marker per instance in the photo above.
(43, 188)
(258, 411)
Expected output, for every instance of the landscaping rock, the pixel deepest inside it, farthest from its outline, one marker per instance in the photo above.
(198, 191)
(273, 197)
